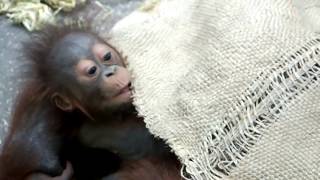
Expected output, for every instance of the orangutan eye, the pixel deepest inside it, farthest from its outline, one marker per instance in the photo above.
(92, 71)
(107, 56)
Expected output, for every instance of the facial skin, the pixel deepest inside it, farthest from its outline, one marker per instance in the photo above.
(66, 175)
(98, 79)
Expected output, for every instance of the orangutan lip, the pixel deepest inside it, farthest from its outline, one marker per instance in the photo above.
(124, 90)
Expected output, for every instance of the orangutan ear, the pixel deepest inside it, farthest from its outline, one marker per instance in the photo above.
(62, 102)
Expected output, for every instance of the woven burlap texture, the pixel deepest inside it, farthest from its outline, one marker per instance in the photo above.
(232, 86)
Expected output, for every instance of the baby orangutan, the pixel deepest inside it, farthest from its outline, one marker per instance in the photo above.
(75, 118)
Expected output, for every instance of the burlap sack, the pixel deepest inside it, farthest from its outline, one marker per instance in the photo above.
(233, 86)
